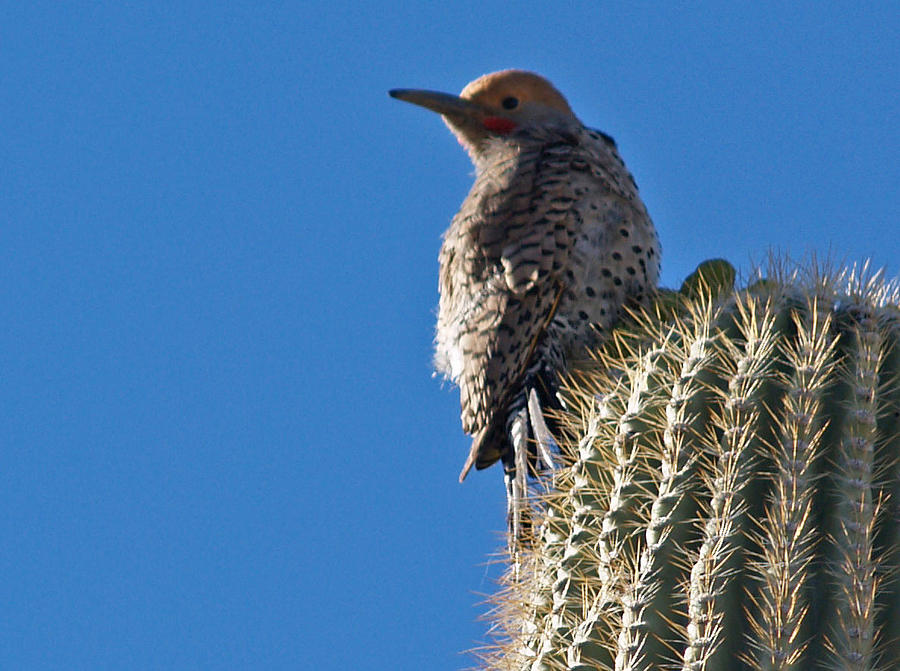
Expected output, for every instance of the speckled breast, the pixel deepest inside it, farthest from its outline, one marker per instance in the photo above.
(614, 259)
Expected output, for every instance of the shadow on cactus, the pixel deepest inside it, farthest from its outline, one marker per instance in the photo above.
(730, 495)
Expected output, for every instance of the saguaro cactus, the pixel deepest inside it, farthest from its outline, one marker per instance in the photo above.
(730, 498)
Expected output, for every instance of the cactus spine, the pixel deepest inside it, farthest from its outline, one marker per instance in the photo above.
(730, 495)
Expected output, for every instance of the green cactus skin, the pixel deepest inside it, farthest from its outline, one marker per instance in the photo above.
(731, 492)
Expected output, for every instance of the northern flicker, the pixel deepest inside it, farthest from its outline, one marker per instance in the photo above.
(549, 245)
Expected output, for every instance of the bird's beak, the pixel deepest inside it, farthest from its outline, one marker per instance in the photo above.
(448, 105)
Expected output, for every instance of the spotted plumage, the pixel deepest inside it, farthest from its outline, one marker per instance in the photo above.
(550, 243)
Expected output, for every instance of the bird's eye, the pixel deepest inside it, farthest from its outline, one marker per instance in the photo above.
(510, 103)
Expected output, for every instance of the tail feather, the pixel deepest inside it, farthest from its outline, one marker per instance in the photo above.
(516, 476)
(543, 438)
(521, 438)
(487, 448)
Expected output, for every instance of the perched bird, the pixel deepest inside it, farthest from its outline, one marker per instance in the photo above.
(549, 245)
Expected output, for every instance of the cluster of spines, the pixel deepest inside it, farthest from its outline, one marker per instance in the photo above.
(786, 534)
(730, 496)
(729, 456)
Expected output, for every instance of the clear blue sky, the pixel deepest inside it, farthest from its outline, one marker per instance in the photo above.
(221, 444)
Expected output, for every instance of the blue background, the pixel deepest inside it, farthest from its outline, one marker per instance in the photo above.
(222, 447)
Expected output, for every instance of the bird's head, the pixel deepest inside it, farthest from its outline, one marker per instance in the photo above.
(494, 105)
